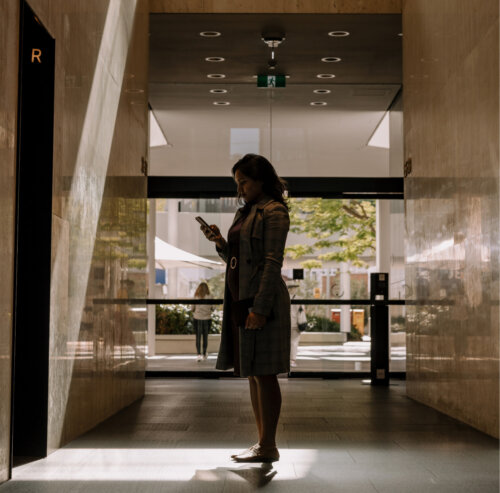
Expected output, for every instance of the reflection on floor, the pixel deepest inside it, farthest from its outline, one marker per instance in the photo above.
(333, 436)
(350, 357)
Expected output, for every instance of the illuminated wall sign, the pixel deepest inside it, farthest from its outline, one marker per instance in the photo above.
(271, 81)
(36, 54)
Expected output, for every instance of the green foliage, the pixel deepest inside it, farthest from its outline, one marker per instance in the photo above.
(139, 264)
(178, 319)
(354, 335)
(174, 319)
(398, 323)
(216, 285)
(345, 227)
(316, 323)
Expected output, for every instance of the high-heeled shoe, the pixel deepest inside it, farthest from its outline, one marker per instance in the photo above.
(258, 454)
(248, 450)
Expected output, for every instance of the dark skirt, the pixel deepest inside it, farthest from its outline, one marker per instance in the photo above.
(239, 313)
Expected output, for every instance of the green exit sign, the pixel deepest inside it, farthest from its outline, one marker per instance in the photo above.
(271, 81)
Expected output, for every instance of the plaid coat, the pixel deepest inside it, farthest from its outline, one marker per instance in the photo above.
(262, 243)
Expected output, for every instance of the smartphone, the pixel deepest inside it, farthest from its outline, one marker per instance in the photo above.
(202, 222)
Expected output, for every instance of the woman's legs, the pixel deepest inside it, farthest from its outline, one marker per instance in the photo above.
(197, 328)
(206, 328)
(294, 344)
(254, 397)
(269, 403)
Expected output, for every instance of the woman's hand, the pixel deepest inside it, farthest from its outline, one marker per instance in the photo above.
(213, 234)
(255, 321)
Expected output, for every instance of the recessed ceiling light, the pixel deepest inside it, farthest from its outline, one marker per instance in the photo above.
(214, 59)
(318, 103)
(331, 59)
(338, 34)
(218, 91)
(210, 34)
(216, 76)
(322, 91)
(400, 34)
(325, 76)
(221, 103)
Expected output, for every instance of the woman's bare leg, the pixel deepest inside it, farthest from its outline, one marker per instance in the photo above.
(269, 399)
(254, 397)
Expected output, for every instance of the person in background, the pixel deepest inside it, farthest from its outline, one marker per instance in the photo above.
(294, 316)
(202, 315)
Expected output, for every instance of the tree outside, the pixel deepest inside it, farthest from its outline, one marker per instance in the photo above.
(342, 230)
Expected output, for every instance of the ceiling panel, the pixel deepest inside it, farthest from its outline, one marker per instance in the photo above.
(301, 140)
(371, 54)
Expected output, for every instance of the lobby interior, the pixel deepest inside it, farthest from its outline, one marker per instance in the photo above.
(82, 408)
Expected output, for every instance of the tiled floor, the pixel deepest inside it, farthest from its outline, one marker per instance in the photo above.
(334, 436)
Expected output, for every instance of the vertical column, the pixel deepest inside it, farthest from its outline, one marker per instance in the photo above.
(151, 277)
(383, 252)
(345, 289)
(173, 239)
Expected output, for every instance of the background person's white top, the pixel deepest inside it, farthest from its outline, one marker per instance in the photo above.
(202, 312)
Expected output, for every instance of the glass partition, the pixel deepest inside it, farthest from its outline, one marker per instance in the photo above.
(330, 252)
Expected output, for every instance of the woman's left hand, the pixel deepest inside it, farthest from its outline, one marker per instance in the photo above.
(255, 321)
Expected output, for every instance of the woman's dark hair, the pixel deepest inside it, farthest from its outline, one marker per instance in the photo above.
(258, 168)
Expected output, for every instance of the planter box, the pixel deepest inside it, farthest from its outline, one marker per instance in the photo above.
(184, 343)
(322, 338)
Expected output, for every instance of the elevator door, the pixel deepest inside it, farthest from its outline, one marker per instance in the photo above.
(33, 237)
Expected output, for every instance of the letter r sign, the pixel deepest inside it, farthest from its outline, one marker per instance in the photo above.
(36, 55)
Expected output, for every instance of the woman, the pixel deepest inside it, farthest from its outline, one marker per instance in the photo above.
(202, 315)
(255, 338)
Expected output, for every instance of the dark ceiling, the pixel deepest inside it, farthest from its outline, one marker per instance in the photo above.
(371, 54)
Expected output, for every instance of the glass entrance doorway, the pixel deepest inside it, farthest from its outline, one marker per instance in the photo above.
(330, 252)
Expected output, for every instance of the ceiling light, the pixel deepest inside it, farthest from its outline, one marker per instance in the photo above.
(325, 76)
(210, 34)
(216, 76)
(221, 103)
(331, 59)
(318, 103)
(214, 59)
(338, 34)
(218, 91)
(322, 91)
(400, 34)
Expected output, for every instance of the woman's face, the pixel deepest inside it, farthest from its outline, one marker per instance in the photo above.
(250, 190)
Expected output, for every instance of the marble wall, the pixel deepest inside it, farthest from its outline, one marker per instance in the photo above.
(279, 6)
(98, 333)
(451, 111)
(9, 35)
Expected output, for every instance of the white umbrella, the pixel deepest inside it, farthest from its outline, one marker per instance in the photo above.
(167, 256)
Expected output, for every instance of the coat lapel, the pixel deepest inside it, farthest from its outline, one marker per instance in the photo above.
(246, 227)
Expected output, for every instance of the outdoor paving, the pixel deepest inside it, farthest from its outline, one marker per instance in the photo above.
(349, 357)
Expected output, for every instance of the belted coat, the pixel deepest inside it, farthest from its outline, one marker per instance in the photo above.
(262, 242)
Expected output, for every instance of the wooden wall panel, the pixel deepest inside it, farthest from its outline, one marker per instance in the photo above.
(277, 6)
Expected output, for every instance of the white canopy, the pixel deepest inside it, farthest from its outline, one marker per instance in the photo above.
(166, 255)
